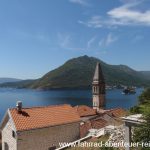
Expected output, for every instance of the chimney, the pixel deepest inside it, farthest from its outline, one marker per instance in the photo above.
(19, 106)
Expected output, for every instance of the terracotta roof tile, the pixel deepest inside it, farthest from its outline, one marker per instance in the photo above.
(117, 112)
(84, 111)
(98, 123)
(39, 117)
(92, 124)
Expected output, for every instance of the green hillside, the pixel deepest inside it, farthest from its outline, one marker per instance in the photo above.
(146, 74)
(4, 80)
(18, 84)
(78, 73)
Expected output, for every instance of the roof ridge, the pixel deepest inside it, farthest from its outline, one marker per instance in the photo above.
(40, 117)
(59, 105)
(81, 105)
(116, 108)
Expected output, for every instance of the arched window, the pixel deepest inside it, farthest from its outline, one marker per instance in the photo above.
(6, 147)
(95, 89)
(93, 103)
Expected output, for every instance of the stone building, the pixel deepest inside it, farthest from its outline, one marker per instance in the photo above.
(39, 128)
(98, 88)
(92, 119)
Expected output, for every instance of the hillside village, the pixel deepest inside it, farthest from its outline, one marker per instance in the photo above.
(43, 128)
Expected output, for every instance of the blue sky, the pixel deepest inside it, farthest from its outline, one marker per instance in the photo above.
(37, 36)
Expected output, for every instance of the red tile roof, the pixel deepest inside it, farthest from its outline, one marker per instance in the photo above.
(92, 124)
(84, 111)
(39, 117)
(117, 112)
(98, 123)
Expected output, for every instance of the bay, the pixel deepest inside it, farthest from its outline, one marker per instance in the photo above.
(114, 98)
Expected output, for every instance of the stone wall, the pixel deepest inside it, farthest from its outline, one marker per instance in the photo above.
(84, 129)
(7, 137)
(43, 139)
(111, 120)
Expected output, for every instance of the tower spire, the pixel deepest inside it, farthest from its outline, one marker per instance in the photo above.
(98, 75)
(98, 88)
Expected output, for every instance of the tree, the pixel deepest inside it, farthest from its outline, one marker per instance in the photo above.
(145, 97)
(135, 109)
(142, 133)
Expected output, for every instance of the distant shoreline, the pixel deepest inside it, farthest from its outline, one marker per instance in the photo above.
(53, 89)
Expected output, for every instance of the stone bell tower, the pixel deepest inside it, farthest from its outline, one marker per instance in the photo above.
(98, 88)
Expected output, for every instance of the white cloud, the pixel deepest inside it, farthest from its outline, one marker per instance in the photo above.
(94, 21)
(65, 42)
(127, 14)
(80, 2)
(90, 42)
(108, 40)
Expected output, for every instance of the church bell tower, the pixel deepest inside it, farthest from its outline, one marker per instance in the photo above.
(98, 88)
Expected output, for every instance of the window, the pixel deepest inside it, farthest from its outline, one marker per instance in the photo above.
(94, 104)
(6, 147)
(52, 148)
(13, 134)
(94, 89)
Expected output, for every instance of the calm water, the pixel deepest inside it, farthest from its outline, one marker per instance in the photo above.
(8, 98)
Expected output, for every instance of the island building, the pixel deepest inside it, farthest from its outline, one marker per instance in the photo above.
(43, 128)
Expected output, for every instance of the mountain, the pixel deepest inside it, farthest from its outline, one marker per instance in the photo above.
(78, 73)
(18, 84)
(146, 74)
(4, 80)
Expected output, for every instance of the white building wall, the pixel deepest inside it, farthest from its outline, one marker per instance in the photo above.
(7, 136)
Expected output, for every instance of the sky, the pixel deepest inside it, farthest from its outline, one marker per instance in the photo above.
(37, 36)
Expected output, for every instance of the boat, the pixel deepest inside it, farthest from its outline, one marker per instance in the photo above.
(129, 90)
